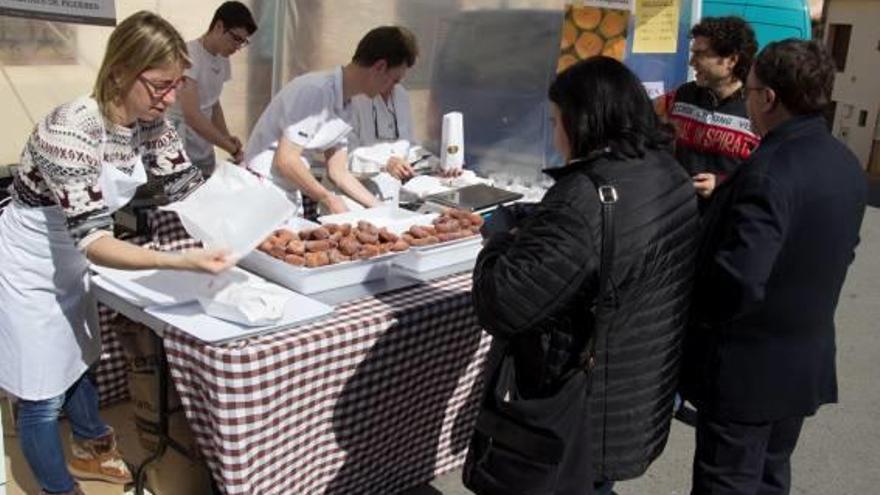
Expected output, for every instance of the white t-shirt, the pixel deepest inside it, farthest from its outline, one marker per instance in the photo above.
(310, 112)
(374, 120)
(209, 72)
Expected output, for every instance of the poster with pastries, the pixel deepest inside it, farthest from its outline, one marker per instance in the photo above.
(588, 31)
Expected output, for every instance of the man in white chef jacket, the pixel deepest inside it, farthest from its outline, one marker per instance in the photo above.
(308, 121)
(382, 148)
(385, 118)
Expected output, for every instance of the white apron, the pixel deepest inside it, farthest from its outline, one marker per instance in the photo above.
(48, 322)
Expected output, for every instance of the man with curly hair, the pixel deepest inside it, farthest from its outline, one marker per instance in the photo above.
(713, 134)
(779, 236)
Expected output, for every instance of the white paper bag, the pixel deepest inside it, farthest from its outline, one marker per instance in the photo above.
(251, 303)
(372, 159)
(388, 188)
(452, 142)
(233, 210)
(421, 186)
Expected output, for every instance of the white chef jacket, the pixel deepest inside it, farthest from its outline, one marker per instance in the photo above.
(310, 112)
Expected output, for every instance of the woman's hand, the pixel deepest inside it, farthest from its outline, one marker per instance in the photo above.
(205, 260)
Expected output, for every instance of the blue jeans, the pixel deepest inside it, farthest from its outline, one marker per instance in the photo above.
(40, 439)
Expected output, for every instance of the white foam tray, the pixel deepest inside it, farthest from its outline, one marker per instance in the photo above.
(426, 258)
(311, 280)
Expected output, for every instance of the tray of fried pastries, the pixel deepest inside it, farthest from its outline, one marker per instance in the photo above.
(452, 238)
(319, 258)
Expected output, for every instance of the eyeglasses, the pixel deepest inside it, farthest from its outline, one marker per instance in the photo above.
(241, 41)
(379, 134)
(703, 54)
(159, 91)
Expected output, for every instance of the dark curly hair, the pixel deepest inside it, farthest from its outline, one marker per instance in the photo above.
(729, 36)
(801, 73)
(603, 105)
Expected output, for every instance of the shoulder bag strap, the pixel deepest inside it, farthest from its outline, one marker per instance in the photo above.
(605, 295)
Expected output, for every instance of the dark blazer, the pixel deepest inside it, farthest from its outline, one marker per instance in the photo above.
(777, 241)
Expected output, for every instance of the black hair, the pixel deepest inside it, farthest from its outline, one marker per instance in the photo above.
(603, 105)
(729, 36)
(234, 15)
(801, 73)
(394, 44)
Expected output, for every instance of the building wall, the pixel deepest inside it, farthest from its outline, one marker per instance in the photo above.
(857, 88)
(28, 92)
(318, 35)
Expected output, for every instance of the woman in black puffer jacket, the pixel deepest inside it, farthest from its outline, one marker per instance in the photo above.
(535, 283)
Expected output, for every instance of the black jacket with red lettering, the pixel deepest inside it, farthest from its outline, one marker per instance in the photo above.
(712, 135)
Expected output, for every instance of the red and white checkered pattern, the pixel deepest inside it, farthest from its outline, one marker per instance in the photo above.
(110, 373)
(377, 399)
(166, 234)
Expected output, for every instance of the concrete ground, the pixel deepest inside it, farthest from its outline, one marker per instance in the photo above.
(839, 447)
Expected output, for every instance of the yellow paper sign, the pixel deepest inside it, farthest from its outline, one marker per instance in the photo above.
(656, 26)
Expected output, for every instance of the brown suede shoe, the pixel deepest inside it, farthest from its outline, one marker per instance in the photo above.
(98, 459)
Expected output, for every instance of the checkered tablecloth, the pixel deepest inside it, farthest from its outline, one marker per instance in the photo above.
(166, 234)
(110, 377)
(377, 399)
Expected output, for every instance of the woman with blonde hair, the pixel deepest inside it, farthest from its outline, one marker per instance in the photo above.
(82, 162)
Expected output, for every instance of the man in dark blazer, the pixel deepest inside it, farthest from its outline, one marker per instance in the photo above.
(778, 238)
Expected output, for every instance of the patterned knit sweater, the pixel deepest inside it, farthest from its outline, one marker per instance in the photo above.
(62, 161)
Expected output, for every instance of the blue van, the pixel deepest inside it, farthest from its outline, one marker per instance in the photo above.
(772, 20)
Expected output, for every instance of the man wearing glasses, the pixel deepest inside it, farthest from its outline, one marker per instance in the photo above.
(385, 118)
(713, 133)
(308, 121)
(198, 114)
(779, 236)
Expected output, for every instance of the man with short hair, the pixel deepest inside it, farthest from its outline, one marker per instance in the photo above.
(713, 134)
(308, 120)
(779, 235)
(198, 114)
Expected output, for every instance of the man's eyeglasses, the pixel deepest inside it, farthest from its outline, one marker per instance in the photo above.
(160, 90)
(701, 54)
(240, 40)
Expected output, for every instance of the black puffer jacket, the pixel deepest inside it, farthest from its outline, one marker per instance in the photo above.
(536, 285)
